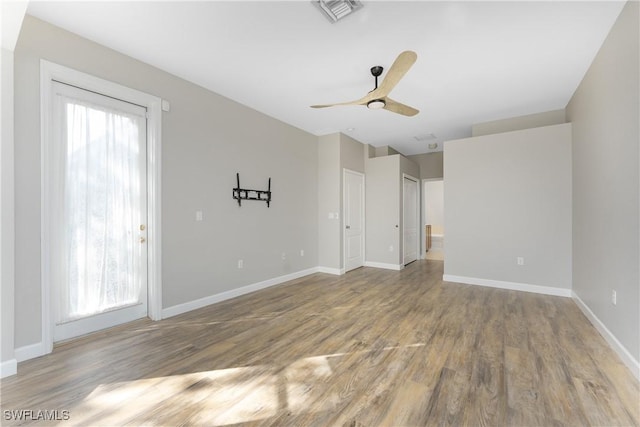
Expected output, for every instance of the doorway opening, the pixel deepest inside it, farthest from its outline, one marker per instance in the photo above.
(410, 219)
(433, 219)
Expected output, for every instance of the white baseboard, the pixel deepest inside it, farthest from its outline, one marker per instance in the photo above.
(212, 299)
(536, 289)
(30, 352)
(8, 368)
(329, 270)
(622, 352)
(384, 265)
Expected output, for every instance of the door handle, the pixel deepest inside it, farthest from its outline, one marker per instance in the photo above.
(348, 227)
(142, 240)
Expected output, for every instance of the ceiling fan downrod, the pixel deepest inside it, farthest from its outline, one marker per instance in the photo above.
(376, 104)
(376, 71)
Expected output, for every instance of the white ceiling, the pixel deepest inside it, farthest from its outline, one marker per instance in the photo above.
(477, 61)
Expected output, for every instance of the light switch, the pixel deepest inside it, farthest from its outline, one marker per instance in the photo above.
(198, 215)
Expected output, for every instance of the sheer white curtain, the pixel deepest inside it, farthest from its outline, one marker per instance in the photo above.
(101, 209)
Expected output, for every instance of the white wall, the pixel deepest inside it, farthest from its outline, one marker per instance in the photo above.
(506, 196)
(605, 114)
(206, 139)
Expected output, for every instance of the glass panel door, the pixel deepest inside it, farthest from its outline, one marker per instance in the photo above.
(101, 271)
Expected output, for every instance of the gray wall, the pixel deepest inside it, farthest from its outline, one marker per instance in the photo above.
(7, 211)
(384, 150)
(352, 154)
(335, 153)
(383, 203)
(529, 121)
(431, 164)
(329, 201)
(506, 196)
(604, 112)
(370, 151)
(206, 140)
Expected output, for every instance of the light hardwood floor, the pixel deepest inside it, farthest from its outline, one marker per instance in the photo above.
(373, 347)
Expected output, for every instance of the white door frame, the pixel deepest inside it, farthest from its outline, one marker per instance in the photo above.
(49, 72)
(417, 181)
(342, 225)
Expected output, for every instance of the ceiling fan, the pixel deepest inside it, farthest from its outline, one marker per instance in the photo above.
(377, 98)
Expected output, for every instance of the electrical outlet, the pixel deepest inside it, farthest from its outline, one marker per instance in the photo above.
(391, 248)
(240, 263)
(301, 252)
(284, 256)
(198, 215)
(614, 297)
(520, 260)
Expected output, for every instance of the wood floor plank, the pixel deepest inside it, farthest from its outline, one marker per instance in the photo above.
(370, 348)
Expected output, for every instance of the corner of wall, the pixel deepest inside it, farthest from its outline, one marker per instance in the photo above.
(627, 358)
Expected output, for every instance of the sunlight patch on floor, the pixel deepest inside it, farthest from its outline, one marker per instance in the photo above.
(218, 397)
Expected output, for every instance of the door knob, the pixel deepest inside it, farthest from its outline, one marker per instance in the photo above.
(142, 227)
(348, 227)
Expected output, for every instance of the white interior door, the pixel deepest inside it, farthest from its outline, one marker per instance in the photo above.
(353, 216)
(100, 268)
(410, 221)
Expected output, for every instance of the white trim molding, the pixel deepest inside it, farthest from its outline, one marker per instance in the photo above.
(223, 296)
(8, 368)
(536, 289)
(623, 353)
(329, 270)
(30, 351)
(384, 265)
(50, 72)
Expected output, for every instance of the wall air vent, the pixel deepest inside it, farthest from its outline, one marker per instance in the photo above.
(336, 10)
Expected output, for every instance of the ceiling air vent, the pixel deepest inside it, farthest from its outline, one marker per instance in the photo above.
(425, 137)
(335, 10)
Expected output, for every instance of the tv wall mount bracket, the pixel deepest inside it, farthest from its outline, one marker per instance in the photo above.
(241, 194)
